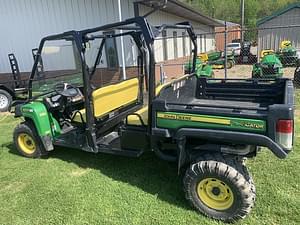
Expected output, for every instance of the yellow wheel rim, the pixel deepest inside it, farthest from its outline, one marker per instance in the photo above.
(26, 143)
(215, 194)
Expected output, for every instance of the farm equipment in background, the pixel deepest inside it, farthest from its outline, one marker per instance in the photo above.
(202, 69)
(217, 59)
(287, 54)
(268, 67)
(12, 87)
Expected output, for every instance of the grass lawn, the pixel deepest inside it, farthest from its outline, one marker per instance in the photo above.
(73, 187)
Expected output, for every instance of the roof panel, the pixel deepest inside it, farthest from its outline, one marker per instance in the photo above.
(277, 13)
(183, 10)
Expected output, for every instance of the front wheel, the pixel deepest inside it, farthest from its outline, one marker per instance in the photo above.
(220, 187)
(27, 141)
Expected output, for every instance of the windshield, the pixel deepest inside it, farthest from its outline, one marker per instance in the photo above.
(59, 63)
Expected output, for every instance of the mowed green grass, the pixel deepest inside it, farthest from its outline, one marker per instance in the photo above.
(74, 187)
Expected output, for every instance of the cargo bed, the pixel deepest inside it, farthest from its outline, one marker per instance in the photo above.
(233, 108)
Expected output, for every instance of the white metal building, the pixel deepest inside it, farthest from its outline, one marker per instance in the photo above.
(288, 21)
(24, 22)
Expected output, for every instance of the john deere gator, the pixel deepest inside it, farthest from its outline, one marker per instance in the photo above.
(207, 129)
(268, 67)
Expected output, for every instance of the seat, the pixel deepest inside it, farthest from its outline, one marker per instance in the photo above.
(136, 120)
(143, 112)
(112, 97)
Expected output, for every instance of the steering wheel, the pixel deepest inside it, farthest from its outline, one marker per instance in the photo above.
(66, 90)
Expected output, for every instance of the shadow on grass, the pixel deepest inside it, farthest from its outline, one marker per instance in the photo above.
(147, 173)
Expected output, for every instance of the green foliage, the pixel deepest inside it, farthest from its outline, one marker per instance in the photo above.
(229, 10)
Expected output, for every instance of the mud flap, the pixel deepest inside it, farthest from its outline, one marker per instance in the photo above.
(182, 155)
(47, 142)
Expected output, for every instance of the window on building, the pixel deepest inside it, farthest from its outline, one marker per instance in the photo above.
(111, 53)
(183, 44)
(165, 45)
(175, 44)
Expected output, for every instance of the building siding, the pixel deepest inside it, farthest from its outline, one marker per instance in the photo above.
(271, 38)
(160, 17)
(30, 20)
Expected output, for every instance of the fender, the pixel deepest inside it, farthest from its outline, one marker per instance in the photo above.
(233, 137)
(46, 126)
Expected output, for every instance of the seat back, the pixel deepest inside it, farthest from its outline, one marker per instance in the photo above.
(115, 96)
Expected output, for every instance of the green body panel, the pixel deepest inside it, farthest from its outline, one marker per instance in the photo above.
(216, 59)
(205, 71)
(270, 59)
(267, 62)
(42, 119)
(174, 120)
(288, 55)
(212, 56)
(202, 70)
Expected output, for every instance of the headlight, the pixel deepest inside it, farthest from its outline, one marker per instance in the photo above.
(264, 66)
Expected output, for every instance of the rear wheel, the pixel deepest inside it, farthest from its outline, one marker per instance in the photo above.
(5, 100)
(220, 187)
(27, 141)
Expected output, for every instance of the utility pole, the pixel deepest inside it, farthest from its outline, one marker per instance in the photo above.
(225, 49)
(122, 42)
(242, 14)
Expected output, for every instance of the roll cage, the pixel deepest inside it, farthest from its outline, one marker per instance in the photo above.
(144, 36)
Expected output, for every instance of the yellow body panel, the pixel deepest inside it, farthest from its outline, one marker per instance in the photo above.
(266, 52)
(285, 44)
(143, 112)
(218, 66)
(203, 57)
(130, 88)
(135, 120)
(114, 96)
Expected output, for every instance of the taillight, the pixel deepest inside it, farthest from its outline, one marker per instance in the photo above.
(284, 133)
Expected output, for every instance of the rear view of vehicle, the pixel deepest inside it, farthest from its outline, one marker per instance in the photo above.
(217, 124)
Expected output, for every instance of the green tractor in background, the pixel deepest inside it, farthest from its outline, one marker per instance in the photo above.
(217, 59)
(202, 69)
(268, 67)
(287, 54)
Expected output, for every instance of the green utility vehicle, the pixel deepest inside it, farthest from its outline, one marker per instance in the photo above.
(201, 70)
(287, 54)
(268, 67)
(207, 129)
